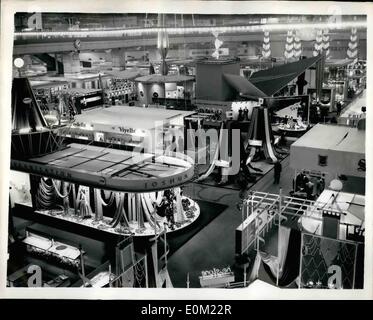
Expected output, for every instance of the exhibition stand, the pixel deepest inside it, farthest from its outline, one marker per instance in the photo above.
(78, 184)
(330, 149)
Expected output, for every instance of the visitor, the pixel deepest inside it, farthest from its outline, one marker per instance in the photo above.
(277, 171)
(339, 108)
(320, 185)
(309, 190)
(282, 141)
(333, 120)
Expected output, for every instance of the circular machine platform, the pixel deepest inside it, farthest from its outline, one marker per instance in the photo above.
(192, 213)
(121, 172)
(110, 169)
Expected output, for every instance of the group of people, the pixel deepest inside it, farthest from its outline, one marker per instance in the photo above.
(292, 123)
(310, 186)
(243, 115)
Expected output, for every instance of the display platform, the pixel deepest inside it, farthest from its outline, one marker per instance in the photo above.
(288, 128)
(54, 247)
(146, 230)
(110, 169)
(135, 118)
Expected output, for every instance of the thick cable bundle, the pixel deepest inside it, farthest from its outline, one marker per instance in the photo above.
(110, 201)
(46, 196)
(149, 210)
(120, 214)
(65, 186)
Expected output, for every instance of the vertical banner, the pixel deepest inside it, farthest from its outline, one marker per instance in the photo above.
(352, 51)
(326, 43)
(289, 45)
(266, 47)
(217, 43)
(297, 51)
(327, 263)
(318, 45)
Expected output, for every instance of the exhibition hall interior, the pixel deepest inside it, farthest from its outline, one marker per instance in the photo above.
(187, 151)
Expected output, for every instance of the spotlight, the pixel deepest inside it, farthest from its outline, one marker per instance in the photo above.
(18, 62)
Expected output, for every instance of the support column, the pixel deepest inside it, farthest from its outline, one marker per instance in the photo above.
(118, 57)
(108, 55)
(59, 65)
(71, 63)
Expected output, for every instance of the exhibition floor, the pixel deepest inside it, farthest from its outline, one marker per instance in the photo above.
(214, 245)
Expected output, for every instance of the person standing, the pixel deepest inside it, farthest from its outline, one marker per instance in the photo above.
(309, 190)
(277, 171)
(339, 108)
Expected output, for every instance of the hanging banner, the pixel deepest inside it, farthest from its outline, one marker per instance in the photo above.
(327, 263)
(326, 43)
(266, 51)
(297, 51)
(289, 45)
(352, 51)
(318, 45)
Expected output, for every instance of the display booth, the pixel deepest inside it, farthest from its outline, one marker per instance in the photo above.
(85, 99)
(354, 111)
(336, 77)
(356, 77)
(85, 200)
(130, 127)
(169, 90)
(88, 80)
(49, 90)
(334, 150)
(108, 191)
(291, 114)
(121, 88)
(48, 87)
(326, 102)
(274, 235)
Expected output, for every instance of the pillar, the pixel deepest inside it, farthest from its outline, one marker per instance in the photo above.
(118, 57)
(108, 55)
(58, 61)
(71, 63)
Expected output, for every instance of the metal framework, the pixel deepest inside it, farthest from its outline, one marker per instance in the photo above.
(260, 210)
(284, 206)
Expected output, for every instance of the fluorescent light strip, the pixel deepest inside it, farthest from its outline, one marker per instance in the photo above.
(191, 30)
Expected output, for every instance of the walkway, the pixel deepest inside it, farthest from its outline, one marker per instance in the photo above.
(214, 246)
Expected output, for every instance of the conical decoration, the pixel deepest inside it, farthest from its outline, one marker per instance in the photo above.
(352, 51)
(26, 114)
(30, 134)
(217, 43)
(266, 47)
(318, 46)
(289, 45)
(162, 44)
(326, 43)
(297, 51)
